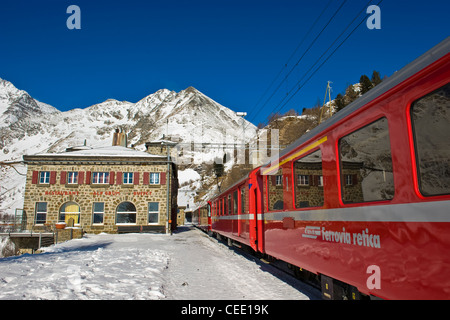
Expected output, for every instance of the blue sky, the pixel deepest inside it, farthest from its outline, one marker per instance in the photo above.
(230, 50)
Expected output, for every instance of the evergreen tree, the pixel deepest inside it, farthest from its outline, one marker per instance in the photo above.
(365, 83)
(376, 78)
(339, 102)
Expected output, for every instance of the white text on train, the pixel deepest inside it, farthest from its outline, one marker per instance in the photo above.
(364, 238)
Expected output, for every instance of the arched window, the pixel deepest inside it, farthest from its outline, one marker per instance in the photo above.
(126, 213)
(69, 213)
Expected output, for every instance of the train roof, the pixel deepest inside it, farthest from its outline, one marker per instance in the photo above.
(398, 77)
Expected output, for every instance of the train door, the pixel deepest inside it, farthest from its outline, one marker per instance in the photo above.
(253, 217)
(209, 215)
(253, 208)
(256, 216)
(259, 214)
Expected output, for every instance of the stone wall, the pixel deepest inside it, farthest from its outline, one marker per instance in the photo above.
(58, 192)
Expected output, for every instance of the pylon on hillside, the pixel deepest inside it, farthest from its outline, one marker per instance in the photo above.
(328, 90)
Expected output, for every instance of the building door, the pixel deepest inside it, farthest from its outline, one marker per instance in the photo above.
(70, 210)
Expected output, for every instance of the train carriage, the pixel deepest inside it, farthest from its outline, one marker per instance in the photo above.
(230, 212)
(362, 200)
(201, 217)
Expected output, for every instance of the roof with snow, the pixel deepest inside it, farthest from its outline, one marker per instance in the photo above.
(99, 153)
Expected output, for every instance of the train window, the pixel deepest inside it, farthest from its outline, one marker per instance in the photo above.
(308, 181)
(430, 117)
(229, 204)
(275, 190)
(366, 164)
(235, 202)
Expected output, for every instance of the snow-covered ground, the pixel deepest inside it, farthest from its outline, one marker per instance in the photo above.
(187, 265)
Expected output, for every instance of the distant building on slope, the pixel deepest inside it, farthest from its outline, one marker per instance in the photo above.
(110, 189)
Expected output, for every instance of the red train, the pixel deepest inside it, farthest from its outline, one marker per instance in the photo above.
(362, 201)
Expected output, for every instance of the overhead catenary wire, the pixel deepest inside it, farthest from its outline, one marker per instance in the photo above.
(280, 105)
(292, 55)
(305, 52)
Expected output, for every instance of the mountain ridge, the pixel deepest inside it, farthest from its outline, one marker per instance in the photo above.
(30, 127)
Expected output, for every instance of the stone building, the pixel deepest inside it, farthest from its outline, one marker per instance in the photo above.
(111, 189)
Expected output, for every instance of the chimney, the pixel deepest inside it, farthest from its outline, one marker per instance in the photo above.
(119, 138)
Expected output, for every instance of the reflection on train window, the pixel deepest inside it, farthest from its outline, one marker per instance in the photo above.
(309, 181)
(366, 164)
(243, 199)
(430, 120)
(275, 190)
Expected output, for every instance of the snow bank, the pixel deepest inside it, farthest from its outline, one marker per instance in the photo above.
(188, 265)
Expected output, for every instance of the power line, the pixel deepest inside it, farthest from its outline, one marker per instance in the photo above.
(292, 55)
(307, 50)
(280, 105)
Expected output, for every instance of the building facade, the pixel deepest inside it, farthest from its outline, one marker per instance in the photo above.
(112, 189)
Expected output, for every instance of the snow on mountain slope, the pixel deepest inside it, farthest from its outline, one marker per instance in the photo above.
(28, 126)
(17, 104)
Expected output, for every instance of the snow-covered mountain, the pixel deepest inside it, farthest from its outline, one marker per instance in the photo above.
(28, 126)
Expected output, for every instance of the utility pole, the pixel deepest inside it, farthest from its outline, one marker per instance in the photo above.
(328, 90)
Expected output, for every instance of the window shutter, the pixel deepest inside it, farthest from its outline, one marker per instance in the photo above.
(162, 178)
(354, 179)
(52, 177)
(88, 177)
(62, 177)
(119, 178)
(111, 177)
(146, 178)
(136, 178)
(81, 177)
(35, 177)
(274, 180)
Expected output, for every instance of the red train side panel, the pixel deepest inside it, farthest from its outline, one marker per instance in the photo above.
(361, 199)
(392, 242)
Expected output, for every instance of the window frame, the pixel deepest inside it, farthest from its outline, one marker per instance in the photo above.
(96, 175)
(235, 201)
(279, 180)
(341, 176)
(243, 198)
(415, 150)
(127, 178)
(266, 188)
(300, 182)
(94, 213)
(153, 212)
(117, 213)
(44, 177)
(44, 213)
(296, 180)
(72, 177)
(152, 180)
